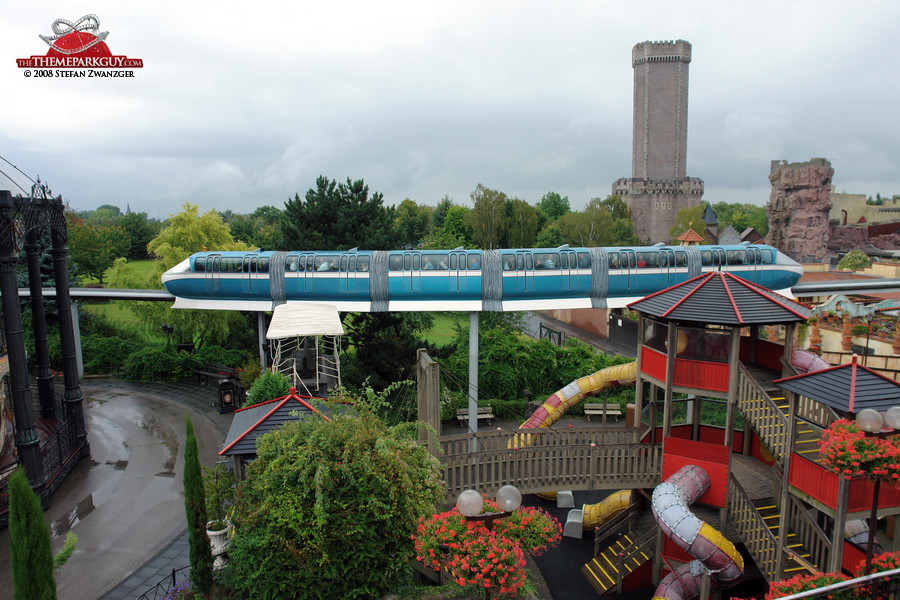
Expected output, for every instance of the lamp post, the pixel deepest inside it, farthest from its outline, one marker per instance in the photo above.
(470, 503)
(872, 422)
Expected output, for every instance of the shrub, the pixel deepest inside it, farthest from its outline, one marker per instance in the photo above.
(106, 355)
(269, 385)
(210, 353)
(218, 482)
(159, 364)
(328, 509)
(30, 554)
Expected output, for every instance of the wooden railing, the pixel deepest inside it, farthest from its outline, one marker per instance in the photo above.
(762, 414)
(815, 412)
(644, 545)
(571, 459)
(757, 536)
(809, 534)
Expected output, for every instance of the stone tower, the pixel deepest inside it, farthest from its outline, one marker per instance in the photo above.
(798, 208)
(658, 187)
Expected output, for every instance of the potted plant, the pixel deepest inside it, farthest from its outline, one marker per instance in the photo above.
(218, 484)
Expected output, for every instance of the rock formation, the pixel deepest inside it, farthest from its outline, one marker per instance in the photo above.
(798, 208)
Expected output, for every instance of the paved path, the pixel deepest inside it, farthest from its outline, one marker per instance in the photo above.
(126, 501)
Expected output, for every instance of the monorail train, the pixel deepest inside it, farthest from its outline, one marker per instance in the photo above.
(462, 280)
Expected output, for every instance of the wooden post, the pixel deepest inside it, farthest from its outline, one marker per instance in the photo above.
(840, 522)
(785, 499)
(671, 341)
(734, 361)
(639, 381)
(815, 338)
(428, 388)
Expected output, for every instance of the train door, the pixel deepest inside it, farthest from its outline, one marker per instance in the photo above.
(568, 264)
(211, 274)
(628, 263)
(667, 266)
(345, 281)
(412, 271)
(524, 272)
(753, 260)
(457, 272)
(248, 271)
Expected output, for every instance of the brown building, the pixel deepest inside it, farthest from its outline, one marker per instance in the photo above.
(659, 187)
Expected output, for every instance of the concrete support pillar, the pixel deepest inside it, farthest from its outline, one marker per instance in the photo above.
(261, 327)
(74, 400)
(26, 436)
(473, 372)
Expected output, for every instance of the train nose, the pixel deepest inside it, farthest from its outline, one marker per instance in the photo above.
(182, 267)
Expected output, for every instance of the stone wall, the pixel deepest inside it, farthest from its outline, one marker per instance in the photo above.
(798, 208)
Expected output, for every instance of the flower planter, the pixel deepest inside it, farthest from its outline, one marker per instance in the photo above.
(219, 541)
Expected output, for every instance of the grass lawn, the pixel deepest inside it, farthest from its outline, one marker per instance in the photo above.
(444, 330)
(142, 267)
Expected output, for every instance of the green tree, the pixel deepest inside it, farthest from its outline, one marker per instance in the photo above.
(268, 387)
(93, 248)
(336, 216)
(385, 344)
(855, 260)
(195, 509)
(488, 218)
(314, 487)
(456, 224)
(185, 233)
(523, 224)
(689, 218)
(440, 211)
(29, 543)
(550, 236)
(412, 222)
(741, 216)
(554, 206)
(140, 231)
(260, 229)
(602, 223)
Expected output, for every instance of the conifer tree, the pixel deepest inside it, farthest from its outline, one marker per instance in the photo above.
(29, 540)
(195, 507)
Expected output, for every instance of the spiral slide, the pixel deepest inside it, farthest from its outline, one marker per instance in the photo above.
(715, 554)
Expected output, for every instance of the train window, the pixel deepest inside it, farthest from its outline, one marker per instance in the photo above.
(199, 265)
(766, 255)
(345, 262)
(396, 263)
(647, 259)
(352, 266)
(230, 265)
(407, 262)
(632, 260)
(564, 260)
(474, 262)
(736, 257)
(584, 260)
(310, 264)
(440, 262)
(452, 262)
(290, 264)
(509, 262)
(705, 258)
(613, 260)
(664, 260)
(546, 260)
(362, 264)
(263, 265)
(416, 262)
(520, 262)
(681, 259)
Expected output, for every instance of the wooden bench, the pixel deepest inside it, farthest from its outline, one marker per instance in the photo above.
(484, 412)
(602, 408)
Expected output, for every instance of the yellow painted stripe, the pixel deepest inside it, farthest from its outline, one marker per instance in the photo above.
(594, 575)
(602, 570)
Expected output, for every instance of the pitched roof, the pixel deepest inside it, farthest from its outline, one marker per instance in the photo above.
(251, 422)
(847, 388)
(722, 299)
(299, 320)
(709, 217)
(690, 236)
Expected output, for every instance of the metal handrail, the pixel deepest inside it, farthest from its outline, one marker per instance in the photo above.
(164, 585)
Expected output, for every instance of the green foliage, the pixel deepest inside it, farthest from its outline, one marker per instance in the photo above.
(602, 223)
(689, 218)
(159, 364)
(140, 231)
(93, 249)
(741, 216)
(195, 509)
(268, 387)
(550, 236)
(212, 353)
(488, 218)
(413, 222)
(522, 221)
(218, 482)
(553, 205)
(860, 329)
(29, 542)
(854, 260)
(250, 372)
(328, 510)
(260, 229)
(511, 362)
(336, 216)
(385, 345)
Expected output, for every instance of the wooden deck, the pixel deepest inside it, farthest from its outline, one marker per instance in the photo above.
(755, 477)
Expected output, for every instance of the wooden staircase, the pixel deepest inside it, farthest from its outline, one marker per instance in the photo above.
(794, 561)
(622, 557)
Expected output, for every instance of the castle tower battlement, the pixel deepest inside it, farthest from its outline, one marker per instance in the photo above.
(659, 186)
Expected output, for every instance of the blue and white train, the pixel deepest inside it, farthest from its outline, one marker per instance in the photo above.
(462, 280)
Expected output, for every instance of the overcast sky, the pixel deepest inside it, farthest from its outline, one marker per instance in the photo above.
(242, 104)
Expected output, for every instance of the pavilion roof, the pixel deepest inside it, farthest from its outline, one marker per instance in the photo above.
(722, 299)
(847, 388)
